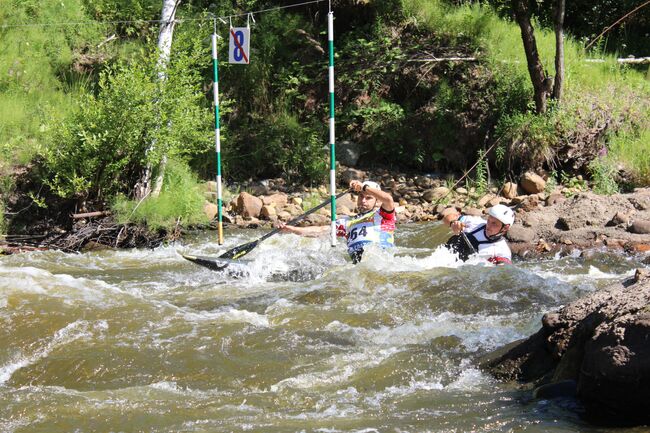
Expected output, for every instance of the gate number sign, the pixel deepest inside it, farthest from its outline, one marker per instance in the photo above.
(239, 47)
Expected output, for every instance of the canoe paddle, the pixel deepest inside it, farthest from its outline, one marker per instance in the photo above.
(220, 262)
(242, 250)
(469, 244)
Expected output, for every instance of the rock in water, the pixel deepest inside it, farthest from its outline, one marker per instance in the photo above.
(602, 343)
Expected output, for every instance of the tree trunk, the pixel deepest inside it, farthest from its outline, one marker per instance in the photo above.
(161, 176)
(541, 83)
(559, 50)
(165, 36)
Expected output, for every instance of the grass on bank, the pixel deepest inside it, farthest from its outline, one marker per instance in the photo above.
(36, 86)
(180, 202)
(631, 149)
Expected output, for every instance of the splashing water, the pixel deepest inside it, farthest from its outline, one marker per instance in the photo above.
(298, 339)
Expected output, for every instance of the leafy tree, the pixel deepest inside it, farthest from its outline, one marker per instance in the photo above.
(542, 84)
(165, 36)
(101, 150)
(585, 19)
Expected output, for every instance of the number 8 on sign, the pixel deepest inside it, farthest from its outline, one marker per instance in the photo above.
(239, 47)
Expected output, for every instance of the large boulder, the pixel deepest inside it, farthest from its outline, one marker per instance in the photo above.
(293, 209)
(518, 233)
(600, 342)
(317, 220)
(211, 210)
(344, 210)
(348, 152)
(472, 211)
(447, 211)
(510, 190)
(640, 227)
(483, 201)
(278, 200)
(268, 212)
(434, 194)
(532, 183)
(248, 205)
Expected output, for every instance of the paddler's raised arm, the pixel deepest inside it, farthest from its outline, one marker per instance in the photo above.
(451, 220)
(385, 198)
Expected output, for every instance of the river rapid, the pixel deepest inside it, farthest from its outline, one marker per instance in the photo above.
(298, 339)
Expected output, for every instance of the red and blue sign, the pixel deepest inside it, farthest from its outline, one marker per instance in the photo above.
(239, 47)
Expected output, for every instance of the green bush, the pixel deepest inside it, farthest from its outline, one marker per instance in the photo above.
(180, 202)
(123, 10)
(101, 149)
(380, 124)
(279, 144)
(529, 140)
(603, 176)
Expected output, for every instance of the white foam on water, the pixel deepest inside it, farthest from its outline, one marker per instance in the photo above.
(331, 411)
(377, 399)
(413, 386)
(132, 396)
(337, 369)
(13, 425)
(42, 282)
(73, 331)
(593, 273)
(169, 386)
(418, 332)
(229, 315)
(243, 407)
(222, 315)
(596, 274)
(470, 378)
(106, 260)
(288, 254)
(387, 261)
(475, 331)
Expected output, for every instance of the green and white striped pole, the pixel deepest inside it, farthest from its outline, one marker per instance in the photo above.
(330, 39)
(217, 134)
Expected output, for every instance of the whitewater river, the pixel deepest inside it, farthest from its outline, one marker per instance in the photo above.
(298, 340)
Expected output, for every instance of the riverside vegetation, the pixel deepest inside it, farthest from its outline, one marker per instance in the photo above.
(81, 103)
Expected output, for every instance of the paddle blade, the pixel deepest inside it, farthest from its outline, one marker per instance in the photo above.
(240, 251)
(212, 263)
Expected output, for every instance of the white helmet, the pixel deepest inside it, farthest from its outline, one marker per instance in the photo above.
(503, 213)
(371, 184)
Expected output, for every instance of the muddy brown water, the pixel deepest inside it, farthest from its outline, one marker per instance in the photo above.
(298, 339)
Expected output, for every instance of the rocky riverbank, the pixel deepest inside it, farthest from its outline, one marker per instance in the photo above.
(595, 348)
(549, 220)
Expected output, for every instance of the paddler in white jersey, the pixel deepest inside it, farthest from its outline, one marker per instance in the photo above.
(375, 222)
(483, 238)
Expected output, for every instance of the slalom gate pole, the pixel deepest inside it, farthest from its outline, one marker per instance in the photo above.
(330, 39)
(217, 134)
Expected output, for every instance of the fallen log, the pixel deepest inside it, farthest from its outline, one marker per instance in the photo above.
(91, 214)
